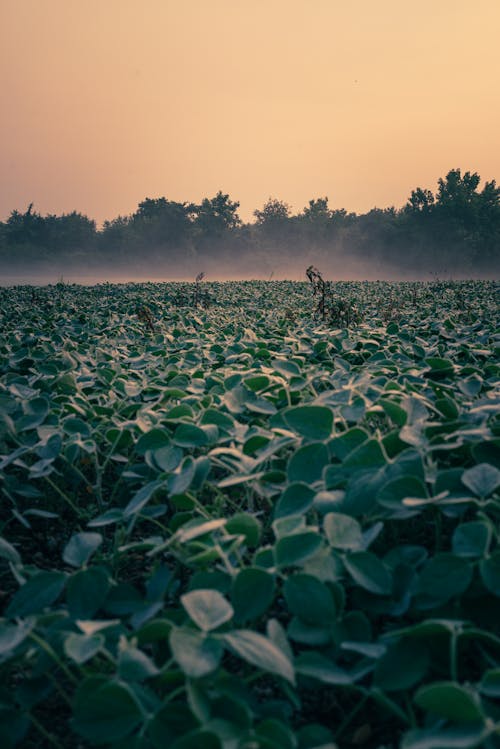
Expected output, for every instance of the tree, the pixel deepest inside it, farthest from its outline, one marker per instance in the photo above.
(274, 212)
(160, 222)
(317, 211)
(420, 201)
(216, 216)
(316, 222)
(24, 228)
(69, 233)
(457, 199)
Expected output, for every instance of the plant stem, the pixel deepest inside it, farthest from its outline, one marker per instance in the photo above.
(51, 652)
(47, 736)
(454, 655)
(63, 495)
(349, 717)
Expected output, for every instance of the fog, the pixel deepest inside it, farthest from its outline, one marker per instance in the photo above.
(265, 267)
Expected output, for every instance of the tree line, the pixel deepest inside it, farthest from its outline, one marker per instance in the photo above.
(456, 229)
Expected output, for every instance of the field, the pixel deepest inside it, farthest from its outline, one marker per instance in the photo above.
(234, 517)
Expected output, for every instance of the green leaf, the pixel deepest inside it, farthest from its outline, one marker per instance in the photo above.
(307, 463)
(490, 572)
(277, 634)
(35, 412)
(482, 479)
(257, 382)
(309, 634)
(196, 654)
(392, 494)
(123, 599)
(134, 665)
(207, 608)
(285, 367)
(198, 527)
(81, 648)
(343, 531)
(275, 735)
(345, 443)
(456, 737)
(368, 455)
(310, 599)
(439, 367)
(289, 525)
(8, 552)
(259, 651)
(328, 501)
(245, 525)
(104, 710)
(181, 480)
(215, 579)
(86, 592)
(171, 721)
(471, 386)
(295, 500)
(37, 593)
(202, 468)
(154, 439)
(471, 540)
(490, 683)
(403, 665)
(80, 548)
(190, 435)
(296, 548)
(107, 518)
(450, 701)
(258, 405)
(318, 666)
(141, 498)
(312, 422)
(394, 411)
(445, 576)
(252, 593)
(75, 426)
(315, 736)
(369, 572)
(164, 458)
(12, 635)
(197, 739)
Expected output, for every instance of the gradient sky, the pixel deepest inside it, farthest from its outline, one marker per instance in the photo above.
(105, 102)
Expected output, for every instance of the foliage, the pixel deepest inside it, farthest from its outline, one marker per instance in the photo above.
(243, 528)
(454, 231)
(339, 311)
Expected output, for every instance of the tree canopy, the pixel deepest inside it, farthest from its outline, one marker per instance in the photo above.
(456, 227)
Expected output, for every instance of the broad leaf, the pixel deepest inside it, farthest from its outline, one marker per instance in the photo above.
(483, 479)
(451, 701)
(313, 422)
(81, 648)
(259, 651)
(80, 548)
(196, 653)
(207, 608)
(342, 531)
(310, 599)
(104, 710)
(252, 593)
(369, 572)
(38, 592)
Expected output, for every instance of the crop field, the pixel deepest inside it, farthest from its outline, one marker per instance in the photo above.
(244, 515)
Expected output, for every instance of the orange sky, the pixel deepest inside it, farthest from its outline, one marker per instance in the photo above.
(105, 102)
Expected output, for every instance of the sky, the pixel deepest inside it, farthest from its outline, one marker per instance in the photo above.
(106, 102)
